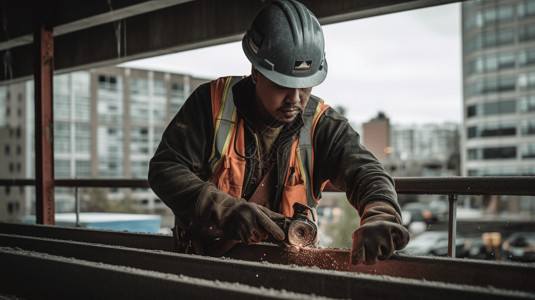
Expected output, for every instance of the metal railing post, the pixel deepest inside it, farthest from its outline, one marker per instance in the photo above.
(452, 224)
(77, 205)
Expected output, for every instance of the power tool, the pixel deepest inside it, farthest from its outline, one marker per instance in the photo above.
(300, 231)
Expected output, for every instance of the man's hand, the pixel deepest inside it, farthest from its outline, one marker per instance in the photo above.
(380, 233)
(377, 240)
(250, 223)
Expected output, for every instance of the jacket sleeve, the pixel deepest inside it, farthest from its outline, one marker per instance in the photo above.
(176, 172)
(349, 165)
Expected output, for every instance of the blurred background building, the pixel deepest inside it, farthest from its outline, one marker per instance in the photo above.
(107, 124)
(499, 84)
(498, 134)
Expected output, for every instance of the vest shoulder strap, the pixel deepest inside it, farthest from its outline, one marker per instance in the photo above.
(224, 114)
(312, 113)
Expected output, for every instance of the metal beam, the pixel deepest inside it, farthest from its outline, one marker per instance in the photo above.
(44, 122)
(80, 16)
(277, 277)
(181, 27)
(509, 276)
(42, 276)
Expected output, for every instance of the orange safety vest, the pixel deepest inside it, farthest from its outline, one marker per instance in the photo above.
(228, 169)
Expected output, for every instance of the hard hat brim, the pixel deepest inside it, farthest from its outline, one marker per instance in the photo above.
(282, 79)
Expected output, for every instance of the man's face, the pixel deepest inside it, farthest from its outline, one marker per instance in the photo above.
(277, 103)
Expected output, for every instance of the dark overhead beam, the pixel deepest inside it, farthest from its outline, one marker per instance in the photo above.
(181, 27)
(71, 16)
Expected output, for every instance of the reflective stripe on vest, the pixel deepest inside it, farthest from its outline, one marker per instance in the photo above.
(228, 168)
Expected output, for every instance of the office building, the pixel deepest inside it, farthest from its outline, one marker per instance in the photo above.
(498, 136)
(107, 124)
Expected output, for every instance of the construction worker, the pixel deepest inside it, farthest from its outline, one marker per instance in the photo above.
(242, 151)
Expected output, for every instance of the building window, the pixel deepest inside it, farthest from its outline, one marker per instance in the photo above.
(82, 138)
(139, 100)
(491, 108)
(62, 168)
(492, 130)
(528, 151)
(526, 81)
(492, 153)
(140, 169)
(159, 103)
(528, 127)
(62, 138)
(493, 172)
(525, 9)
(83, 169)
(110, 150)
(527, 104)
(7, 149)
(489, 16)
(491, 63)
(110, 99)
(490, 39)
(139, 141)
(491, 85)
(526, 33)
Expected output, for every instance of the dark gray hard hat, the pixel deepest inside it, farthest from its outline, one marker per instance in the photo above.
(285, 43)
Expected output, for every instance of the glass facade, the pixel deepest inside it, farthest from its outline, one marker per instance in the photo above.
(159, 103)
(110, 154)
(492, 130)
(110, 106)
(139, 100)
(107, 124)
(491, 108)
(492, 153)
(499, 87)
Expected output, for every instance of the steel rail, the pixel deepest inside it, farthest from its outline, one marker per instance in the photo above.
(510, 276)
(491, 185)
(278, 277)
(451, 186)
(43, 276)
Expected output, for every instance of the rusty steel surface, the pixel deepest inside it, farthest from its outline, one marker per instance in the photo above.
(481, 274)
(126, 239)
(32, 275)
(312, 281)
(44, 123)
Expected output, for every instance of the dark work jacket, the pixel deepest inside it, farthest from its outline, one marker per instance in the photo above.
(178, 172)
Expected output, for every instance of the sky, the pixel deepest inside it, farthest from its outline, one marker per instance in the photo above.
(407, 65)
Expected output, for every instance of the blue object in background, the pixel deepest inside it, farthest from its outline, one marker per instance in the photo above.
(106, 221)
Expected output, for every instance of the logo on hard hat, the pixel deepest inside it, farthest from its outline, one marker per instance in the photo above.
(302, 65)
(254, 47)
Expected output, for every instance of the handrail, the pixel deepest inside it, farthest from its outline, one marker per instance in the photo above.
(451, 186)
(491, 185)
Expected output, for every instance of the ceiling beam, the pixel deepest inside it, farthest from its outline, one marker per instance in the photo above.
(93, 41)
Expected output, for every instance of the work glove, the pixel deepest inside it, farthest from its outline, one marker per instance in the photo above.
(379, 234)
(238, 219)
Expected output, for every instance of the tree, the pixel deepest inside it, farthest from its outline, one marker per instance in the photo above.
(342, 229)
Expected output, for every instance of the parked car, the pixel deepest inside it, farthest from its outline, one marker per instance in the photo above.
(520, 246)
(435, 243)
(416, 212)
(439, 210)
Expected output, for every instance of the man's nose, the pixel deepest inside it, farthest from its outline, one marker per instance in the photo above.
(292, 96)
